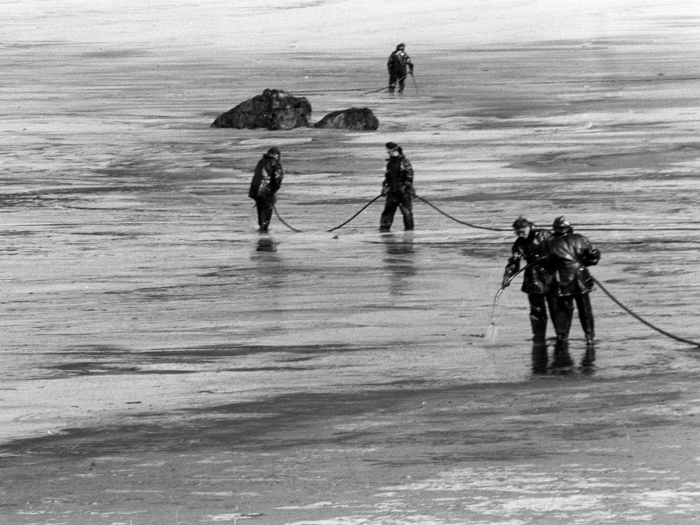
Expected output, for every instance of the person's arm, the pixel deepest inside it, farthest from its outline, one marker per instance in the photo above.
(513, 265)
(276, 176)
(407, 177)
(590, 255)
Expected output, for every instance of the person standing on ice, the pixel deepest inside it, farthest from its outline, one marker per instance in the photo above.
(570, 255)
(267, 180)
(398, 188)
(399, 66)
(532, 245)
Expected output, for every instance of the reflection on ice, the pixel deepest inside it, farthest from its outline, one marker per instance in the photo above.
(399, 260)
(266, 244)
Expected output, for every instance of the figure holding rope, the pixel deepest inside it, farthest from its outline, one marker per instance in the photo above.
(570, 255)
(267, 180)
(399, 66)
(532, 244)
(398, 188)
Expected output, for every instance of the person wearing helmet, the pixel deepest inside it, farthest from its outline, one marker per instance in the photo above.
(267, 180)
(570, 255)
(399, 66)
(398, 188)
(532, 245)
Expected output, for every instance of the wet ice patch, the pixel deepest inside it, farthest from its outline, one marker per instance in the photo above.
(666, 498)
(549, 504)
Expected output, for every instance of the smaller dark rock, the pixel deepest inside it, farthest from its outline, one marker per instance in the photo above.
(355, 119)
(274, 109)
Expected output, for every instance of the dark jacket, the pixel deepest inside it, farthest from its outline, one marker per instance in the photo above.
(267, 178)
(537, 278)
(399, 63)
(398, 178)
(570, 253)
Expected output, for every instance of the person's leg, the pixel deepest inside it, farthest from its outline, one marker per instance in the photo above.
(564, 315)
(585, 315)
(407, 211)
(264, 214)
(538, 317)
(393, 77)
(388, 215)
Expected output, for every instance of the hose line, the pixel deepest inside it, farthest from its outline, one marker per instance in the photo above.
(332, 229)
(351, 218)
(283, 221)
(462, 222)
(643, 321)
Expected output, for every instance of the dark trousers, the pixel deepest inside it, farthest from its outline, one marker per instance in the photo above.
(264, 207)
(394, 201)
(564, 319)
(394, 79)
(565, 315)
(539, 303)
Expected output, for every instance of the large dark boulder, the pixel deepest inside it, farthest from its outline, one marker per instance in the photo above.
(274, 109)
(356, 119)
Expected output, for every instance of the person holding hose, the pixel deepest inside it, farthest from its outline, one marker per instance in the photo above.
(398, 188)
(399, 66)
(532, 246)
(267, 180)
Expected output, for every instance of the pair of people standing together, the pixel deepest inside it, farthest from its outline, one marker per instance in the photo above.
(555, 277)
(397, 187)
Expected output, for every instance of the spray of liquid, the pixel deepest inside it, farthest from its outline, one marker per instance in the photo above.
(492, 330)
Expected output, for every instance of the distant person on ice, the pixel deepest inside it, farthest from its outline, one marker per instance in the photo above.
(267, 179)
(398, 188)
(570, 254)
(532, 245)
(399, 66)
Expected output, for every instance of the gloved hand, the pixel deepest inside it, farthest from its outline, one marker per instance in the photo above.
(385, 190)
(505, 283)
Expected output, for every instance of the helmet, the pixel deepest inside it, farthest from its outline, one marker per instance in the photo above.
(400, 46)
(561, 225)
(391, 145)
(273, 151)
(521, 222)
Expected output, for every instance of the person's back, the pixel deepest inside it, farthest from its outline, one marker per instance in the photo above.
(398, 61)
(570, 253)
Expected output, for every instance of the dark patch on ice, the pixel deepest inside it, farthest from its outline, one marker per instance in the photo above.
(112, 54)
(97, 369)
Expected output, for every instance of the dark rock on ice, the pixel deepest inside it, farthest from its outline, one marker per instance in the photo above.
(274, 109)
(356, 119)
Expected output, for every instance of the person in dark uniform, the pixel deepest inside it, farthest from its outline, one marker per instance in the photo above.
(267, 180)
(398, 188)
(532, 245)
(399, 66)
(570, 255)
